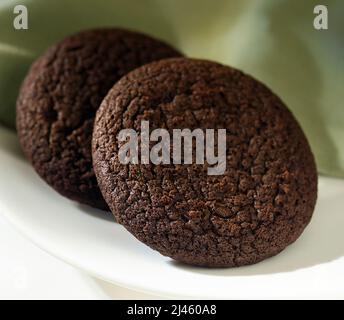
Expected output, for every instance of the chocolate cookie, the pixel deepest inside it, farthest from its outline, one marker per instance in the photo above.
(258, 206)
(59, 98)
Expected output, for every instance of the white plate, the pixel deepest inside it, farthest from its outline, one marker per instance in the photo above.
(313, 267)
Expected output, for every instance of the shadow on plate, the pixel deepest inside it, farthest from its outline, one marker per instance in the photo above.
(97, 213)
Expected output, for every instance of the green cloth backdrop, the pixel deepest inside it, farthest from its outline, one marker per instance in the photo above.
(273, 40)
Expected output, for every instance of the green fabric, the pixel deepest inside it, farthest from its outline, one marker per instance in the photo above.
(274, 40)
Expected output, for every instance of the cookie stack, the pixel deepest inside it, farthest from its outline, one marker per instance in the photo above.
(82, 92)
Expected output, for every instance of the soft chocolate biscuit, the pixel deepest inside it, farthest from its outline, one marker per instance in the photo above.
(59, 98)
(262, 202)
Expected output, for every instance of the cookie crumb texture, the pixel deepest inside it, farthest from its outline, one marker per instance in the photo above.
(59, 98)
(259, 206)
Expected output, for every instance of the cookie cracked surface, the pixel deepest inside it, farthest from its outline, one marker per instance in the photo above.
(262, 202)
(59, 98)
